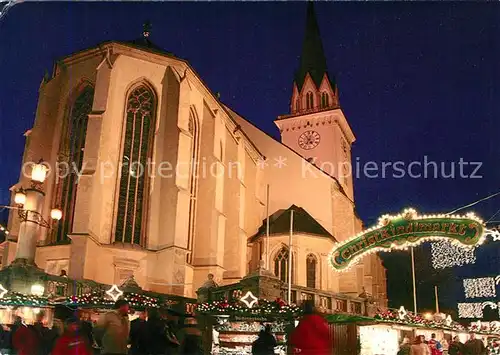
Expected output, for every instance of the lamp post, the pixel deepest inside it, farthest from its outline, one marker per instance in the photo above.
(29, 204)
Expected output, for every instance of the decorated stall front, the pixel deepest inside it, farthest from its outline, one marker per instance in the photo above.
(91, 300)
(236, 324)
(384, 333)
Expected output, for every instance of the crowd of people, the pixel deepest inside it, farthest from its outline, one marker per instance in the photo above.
(160, 332)
(310, 337)
(433, 346)
(154, 332)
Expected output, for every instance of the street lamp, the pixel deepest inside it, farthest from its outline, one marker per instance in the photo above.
(20, 197)
(37, 290)
(29, 205)
(56, 214)
(39, 172)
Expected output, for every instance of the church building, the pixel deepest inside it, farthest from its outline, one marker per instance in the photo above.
(157, 179)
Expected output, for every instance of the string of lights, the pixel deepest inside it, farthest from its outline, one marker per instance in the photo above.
(480, 287)
(470, 310)
(262, 308)
(445, 254)
(409, 318)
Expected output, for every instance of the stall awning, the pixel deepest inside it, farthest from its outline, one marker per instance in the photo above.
(348, 318)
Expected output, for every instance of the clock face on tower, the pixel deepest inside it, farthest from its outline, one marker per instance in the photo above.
(309, 140)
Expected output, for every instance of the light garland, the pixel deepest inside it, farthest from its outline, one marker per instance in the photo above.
(402, 316)
(446, 254)
(485, 327)
(18, 299)
(480, 287)
(470, 310)
(262, 308)
(97, 299)
(408, 214)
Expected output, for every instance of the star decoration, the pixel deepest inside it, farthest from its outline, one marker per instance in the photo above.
(489, 303)
(280, 162)
(3, 291)
(114, 292)
(495, 234)
(249, 299)
(402, 313)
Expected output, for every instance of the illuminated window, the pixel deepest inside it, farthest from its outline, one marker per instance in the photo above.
(325, 100)
(71, 159)
(137, 146)
(309, 100)
(281, 264)
(311, 264)
(193, 181)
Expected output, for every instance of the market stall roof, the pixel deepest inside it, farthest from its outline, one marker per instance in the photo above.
(348, 318)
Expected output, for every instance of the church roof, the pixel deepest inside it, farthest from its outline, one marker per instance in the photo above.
(312, 60)
(145, 43)
(303, 222)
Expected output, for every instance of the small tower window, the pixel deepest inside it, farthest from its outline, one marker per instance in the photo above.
(297, 107)
(325, 98)
(311, 263)
(309, 100)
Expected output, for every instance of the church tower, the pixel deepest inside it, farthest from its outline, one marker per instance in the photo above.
(316, 127)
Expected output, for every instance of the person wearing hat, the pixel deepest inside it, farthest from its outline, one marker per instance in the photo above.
(265, 343)
(113, 330)
(72, 342)
(192, 342)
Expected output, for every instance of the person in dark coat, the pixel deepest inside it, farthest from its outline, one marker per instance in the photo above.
(456, 347)
(474, 346)
(265, 343)
(192, 343)
(159, 339)
(137, 335)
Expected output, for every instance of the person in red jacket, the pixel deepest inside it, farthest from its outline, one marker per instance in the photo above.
(72, 342)
(312, 336)
(24, 339)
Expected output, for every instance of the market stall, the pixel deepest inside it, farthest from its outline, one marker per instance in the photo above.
(236, 324)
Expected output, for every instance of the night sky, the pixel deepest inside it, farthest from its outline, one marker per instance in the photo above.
(415, 79)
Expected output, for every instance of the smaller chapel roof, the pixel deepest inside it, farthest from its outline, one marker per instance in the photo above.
(303, 222)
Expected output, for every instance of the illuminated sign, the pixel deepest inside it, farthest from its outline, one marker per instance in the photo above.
(407, 229)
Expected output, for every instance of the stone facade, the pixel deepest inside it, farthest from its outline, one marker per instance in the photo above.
(183, 240)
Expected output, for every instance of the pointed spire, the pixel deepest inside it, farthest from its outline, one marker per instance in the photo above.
(312, 60)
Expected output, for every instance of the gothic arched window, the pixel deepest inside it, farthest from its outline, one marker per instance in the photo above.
(309, 100)
(281, 264)
(297, 105)
(311, 263)
(325, 100)
(193, 127)
(71, 159)
(137, 145)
